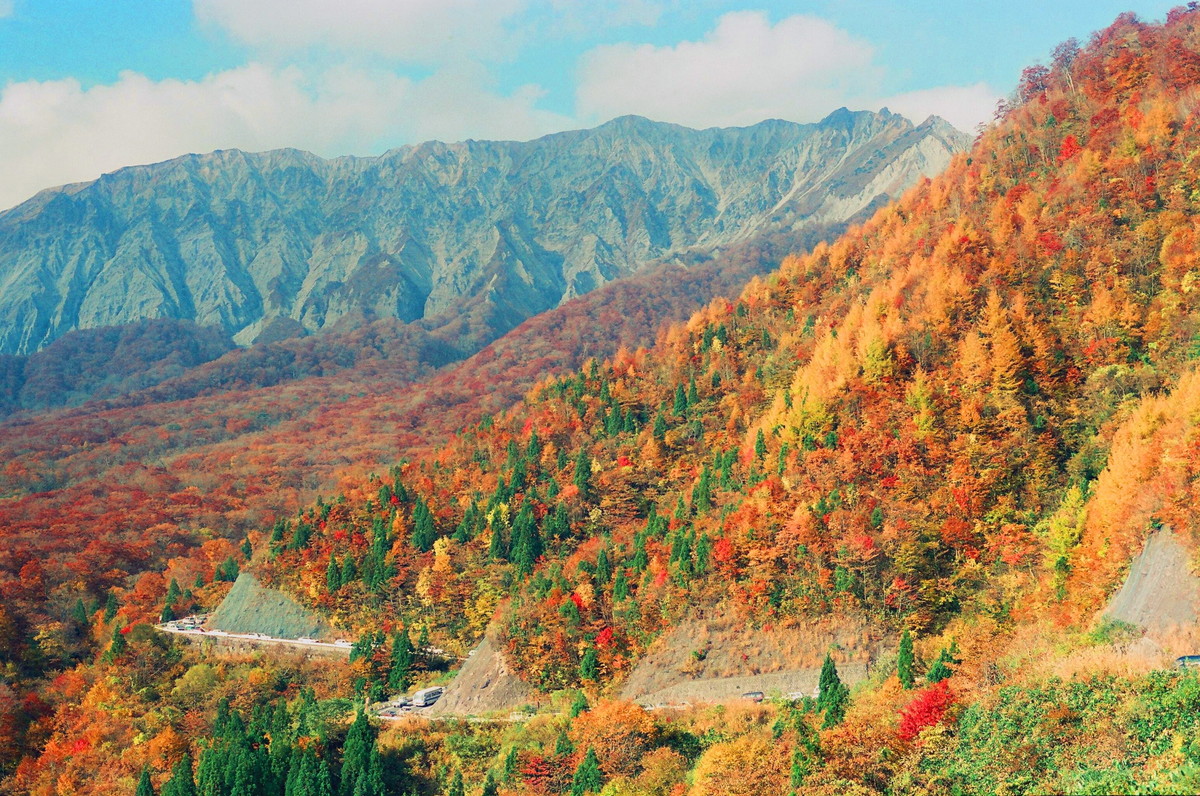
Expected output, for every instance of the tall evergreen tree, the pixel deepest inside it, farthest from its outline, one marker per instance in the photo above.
(169, 612)
(702, 492)
(333, 575)
(400, 676)
(356, 753)
(620, 586)
(603, 567)
(456, 785)
(210, 777)
(79, 615)
(659, 430)
(833, 694)
(589, 667)
(579, 704)
(117, 646)
(679, 408)
(182, 781)
(588, 778)
(498, 546)
(583, 474)
(424, 534)
(145, 787)
(905, 661)
(110, 606)
(526, 540)
(562, 745)
(940, 670)
(510, 764)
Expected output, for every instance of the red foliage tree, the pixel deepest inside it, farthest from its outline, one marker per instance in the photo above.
(927, 709)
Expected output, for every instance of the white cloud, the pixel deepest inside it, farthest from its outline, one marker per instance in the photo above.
(417, 31)
(580, 16)
(965, 107)
(745, 70)
(6, 8)
(56, 132)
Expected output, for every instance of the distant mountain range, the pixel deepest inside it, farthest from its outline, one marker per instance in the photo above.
(467, 239)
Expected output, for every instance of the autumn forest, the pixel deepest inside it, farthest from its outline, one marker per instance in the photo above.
(914, 458)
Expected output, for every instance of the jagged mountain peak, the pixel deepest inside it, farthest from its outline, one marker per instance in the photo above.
(497, 231)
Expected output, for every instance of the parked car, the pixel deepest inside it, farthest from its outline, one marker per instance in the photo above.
(1187, 661)
(754, 696)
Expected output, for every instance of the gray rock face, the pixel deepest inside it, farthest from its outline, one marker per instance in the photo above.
(497, 231)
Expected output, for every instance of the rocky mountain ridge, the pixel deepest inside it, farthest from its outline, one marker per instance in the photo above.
(471, 237)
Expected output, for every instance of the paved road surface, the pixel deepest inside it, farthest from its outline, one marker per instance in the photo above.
(255, 638)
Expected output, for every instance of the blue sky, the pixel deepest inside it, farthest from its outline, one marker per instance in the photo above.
(87, 86)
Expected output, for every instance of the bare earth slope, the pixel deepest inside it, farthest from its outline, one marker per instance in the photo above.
(484, 684)
(717, 658)
(1160, 592)
(251, 608)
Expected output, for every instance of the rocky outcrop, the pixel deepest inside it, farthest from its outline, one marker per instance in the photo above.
(495, 232)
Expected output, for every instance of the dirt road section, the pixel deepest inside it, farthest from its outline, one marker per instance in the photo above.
(1161, 591)
(719, 657)
(484, 684)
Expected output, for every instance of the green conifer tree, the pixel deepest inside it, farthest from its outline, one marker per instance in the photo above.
(588, 778)
(579, 704)
(833, 695)
(940, 670)
(603, 567)
(702, 492)
(679, 408)
(640, 559)
(182, 782)
(110, 607)
(356, 753)
(562, 745)
(118, 645)
(456, 785)
(145, 787)
(703, 554)
(905, 661)
(333, 575)
(498, 546)
(660, 426)
(79, 615)
(510, 765)
(589, 666)
(620, 586)
(583, 475)
(424, 534)
(400, 677)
